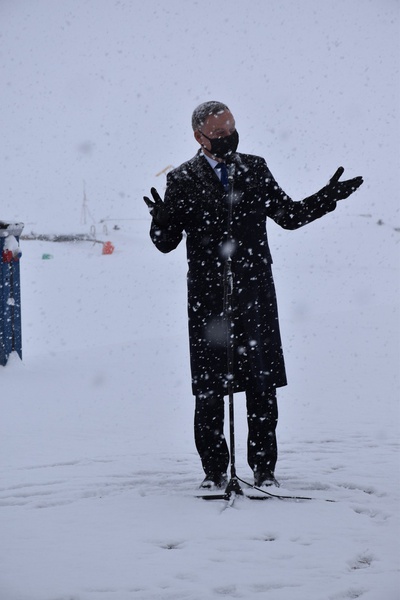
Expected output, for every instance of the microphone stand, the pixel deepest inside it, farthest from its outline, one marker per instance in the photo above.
(233, 488)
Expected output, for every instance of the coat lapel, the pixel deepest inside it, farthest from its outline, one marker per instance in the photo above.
(204, 172)
(210, 181)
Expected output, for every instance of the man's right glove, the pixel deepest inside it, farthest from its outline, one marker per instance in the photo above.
(339, 190)
(157, 209)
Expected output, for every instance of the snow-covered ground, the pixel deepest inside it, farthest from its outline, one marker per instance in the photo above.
(98, 469)
(98, 466)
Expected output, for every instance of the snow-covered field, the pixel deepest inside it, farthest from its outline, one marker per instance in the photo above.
(98, 466)
(98, 469)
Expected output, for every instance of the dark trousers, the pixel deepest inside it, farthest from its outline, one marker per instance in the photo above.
(262, 418)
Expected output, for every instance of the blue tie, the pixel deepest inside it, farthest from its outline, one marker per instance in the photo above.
(224, 175)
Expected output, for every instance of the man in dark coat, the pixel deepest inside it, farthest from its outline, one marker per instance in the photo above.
(221, 199)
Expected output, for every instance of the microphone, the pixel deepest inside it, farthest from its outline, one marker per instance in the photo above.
(230, 167)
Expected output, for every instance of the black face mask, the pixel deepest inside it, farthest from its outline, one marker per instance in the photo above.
(223, 147)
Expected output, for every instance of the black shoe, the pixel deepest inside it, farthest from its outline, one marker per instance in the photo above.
(215, 480)
(265, 479)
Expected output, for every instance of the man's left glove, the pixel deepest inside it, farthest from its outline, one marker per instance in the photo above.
(339, 190)
(157, 209)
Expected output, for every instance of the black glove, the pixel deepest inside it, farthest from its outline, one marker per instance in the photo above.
(339, 190)
(157, 209)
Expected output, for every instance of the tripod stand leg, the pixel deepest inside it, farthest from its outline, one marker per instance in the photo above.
(233, 484)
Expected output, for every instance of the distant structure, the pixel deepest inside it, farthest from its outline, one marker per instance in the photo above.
(85, 212)
(164, 170)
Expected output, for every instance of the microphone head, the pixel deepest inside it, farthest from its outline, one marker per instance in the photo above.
(231, 158)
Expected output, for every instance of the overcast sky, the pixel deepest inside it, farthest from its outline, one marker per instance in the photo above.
(102, 91)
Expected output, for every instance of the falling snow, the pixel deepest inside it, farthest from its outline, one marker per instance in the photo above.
(98, 466)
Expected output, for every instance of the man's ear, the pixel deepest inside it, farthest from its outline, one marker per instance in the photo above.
(197, 136)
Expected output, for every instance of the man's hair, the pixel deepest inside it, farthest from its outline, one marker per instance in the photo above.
(203, 111)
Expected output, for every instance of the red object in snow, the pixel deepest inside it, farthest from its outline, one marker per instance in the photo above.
(108, 248)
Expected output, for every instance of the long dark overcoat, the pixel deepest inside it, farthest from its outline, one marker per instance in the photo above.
(198, 205)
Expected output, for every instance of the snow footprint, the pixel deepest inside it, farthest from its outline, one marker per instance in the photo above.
(349, 594)
(362, 561)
